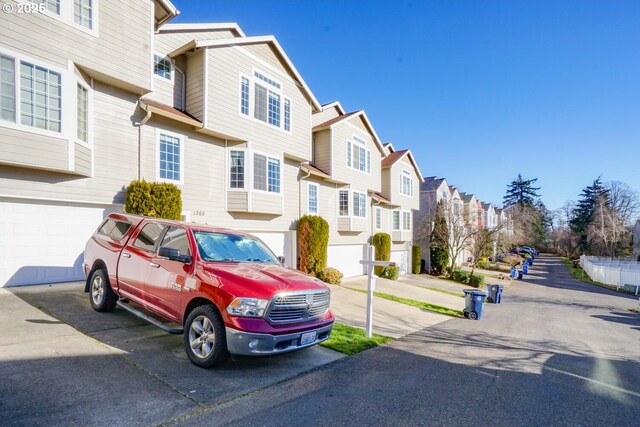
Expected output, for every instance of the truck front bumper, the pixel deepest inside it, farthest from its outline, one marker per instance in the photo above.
(253, 344)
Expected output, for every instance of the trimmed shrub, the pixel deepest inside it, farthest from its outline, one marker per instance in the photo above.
(391, 273)
(476, 280)
(382, 245)
(155, 199)
(313, 238)
(416, 259)
(330, 275)
(461, 276)
(439, 259)
(483, 264)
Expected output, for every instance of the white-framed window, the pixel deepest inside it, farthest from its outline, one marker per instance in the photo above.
(7, 88)
(406, 221)
(236, 169)
(170, 157)
(312, 198)
(343, 203)
(40, 97)
(395, 220)
(52, 6)
(359, 204)
(406, 183)
(83, 13)
(162, 67)
(82, 105)
(358, 157)
(266, 173)
(378, 218)
(262, 99)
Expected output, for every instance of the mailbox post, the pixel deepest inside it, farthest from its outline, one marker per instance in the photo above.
(371, 285)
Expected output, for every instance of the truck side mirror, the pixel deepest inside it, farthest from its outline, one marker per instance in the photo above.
(281, 259)
(173, 255)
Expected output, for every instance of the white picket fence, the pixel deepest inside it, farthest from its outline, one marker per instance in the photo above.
(611, 271)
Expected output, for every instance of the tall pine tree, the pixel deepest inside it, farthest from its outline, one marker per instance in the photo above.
(585, 209)
(521, 192)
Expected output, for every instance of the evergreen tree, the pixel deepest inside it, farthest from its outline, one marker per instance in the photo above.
(584, 211)
(521, 192)
(439, 248)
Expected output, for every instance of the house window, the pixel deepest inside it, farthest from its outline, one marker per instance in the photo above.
(7, 88)
(83, 13)
(378, 218)
(406, 221)
(313, 198)
(287, 115)
(406, 183)
(266, 173)
(236, 178)
(343, 203)
(162, 67)
(396, 220)
(51, 5)
(358, 157)
(269, 104)
(170, 166)
(83, 113)
(40, 97)
(244, 96)
(359, 204)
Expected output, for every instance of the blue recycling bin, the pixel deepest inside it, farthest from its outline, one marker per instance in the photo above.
(525, 268)
(520, 274)
(514, 273)
(495, 293)
(474, 303)
(529, 261)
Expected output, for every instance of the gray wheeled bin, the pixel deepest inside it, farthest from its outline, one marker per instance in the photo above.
(495, 293)
(473, 303)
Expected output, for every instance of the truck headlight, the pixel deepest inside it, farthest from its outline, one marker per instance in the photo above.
(247, 307)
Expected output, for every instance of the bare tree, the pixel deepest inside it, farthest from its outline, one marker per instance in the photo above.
(623, 200)
(483, 242)
(607, 232)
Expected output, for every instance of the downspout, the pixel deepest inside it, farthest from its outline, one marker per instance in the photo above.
(300, 191)
(142, 122)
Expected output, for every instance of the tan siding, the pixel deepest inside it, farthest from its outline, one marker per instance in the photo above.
(386, 183)
(82, 159)
(122, 50)
(30, 149)
(195, 85)
(339, 169)
(224, 65)
(266, 54)
(396, 197)
(237, 201)
(323, 116)
(322, 150)
(166, 42)
(266, 203)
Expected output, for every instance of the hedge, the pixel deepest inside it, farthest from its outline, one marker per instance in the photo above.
(461, 276)
(155, 199)
(382, 244)
(331, 276)
(313, 238)
(392, 272)
(476, 280)
(416, 259)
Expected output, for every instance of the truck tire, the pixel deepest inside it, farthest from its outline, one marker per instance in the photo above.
(101, 295)
(205, 340)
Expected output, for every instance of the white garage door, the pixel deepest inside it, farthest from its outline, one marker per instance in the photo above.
(401, 258)
(44, 243)
(346, 258)
(281, 243)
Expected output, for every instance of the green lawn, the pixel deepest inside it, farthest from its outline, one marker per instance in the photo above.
(579, 274)
(455, 294)
(420, 304)
(349, 340)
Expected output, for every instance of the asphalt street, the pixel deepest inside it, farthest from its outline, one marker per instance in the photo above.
(555, 352)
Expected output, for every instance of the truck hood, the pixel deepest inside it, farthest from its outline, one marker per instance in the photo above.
(262, 280)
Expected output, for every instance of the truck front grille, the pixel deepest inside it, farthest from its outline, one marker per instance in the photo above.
(298, 307)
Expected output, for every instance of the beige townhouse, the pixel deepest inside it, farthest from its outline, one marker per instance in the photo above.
(70, 79)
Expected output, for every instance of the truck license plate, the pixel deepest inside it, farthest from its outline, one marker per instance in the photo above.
(307, 338)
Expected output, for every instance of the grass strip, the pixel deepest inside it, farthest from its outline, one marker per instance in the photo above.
(579, 274)
(350, 340)
(455, 294)
(420, 304)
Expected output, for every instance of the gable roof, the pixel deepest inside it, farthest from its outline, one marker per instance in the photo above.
(467, 197)
(348, 116)
(241, 41)
(395, 156)
(333, 121)
(334, 104)
(431, 183)
(195, 27)
(487, 205)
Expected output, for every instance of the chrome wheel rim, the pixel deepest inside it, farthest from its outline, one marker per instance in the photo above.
(97, 290)
(201, 336)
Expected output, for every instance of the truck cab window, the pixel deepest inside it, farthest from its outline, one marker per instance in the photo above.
(149, 236)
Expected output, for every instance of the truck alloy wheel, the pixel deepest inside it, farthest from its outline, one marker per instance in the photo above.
(101, 295)
(204, 337)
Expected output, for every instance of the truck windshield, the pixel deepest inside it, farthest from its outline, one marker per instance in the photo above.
(221, 247)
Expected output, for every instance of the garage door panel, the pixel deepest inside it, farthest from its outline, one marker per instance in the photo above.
(401, 258)
(346, 258)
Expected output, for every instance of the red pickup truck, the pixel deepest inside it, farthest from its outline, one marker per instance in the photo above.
(225, 290)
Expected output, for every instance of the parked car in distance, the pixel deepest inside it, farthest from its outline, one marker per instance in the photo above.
(223, 289)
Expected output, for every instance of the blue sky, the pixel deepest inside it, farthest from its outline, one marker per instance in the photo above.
(479, 90)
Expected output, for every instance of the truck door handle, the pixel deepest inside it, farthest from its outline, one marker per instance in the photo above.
(154, 265)
(126, 255)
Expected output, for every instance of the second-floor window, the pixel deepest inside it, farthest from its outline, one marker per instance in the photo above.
(266, 173)
(41, 97)
(7, 89)
(83, 13)
(358, 157)
(378, 218)
(343, 203)
(262, 97)
(236, 178)
(162, 67)
(52, 6)
(396, 220)
(171, 158)
(406, 183)
(313, 198)
(83, 113)
(359, 204)
(406, 221)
